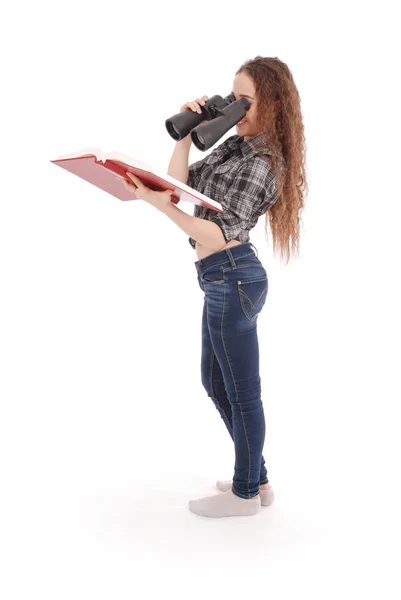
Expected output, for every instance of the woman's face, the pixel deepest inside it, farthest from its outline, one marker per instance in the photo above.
(243, 88)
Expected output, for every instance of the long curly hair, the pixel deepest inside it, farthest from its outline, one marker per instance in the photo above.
(279, 117)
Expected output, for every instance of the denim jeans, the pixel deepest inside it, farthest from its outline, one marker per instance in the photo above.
(235, 285)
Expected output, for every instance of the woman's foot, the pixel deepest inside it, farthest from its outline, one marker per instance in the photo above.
(266, 491)
(226, 504)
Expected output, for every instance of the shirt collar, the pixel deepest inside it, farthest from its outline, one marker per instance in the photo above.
(251, 147)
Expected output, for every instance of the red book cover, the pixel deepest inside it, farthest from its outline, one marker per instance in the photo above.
(106, 171)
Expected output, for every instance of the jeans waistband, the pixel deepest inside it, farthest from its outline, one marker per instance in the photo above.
(228, 254)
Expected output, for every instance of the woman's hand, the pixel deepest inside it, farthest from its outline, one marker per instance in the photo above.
(159, 200)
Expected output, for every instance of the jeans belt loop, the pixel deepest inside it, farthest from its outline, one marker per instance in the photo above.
(231, 258)
(256, 250)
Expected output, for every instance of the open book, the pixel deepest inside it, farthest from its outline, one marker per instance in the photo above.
(106, 171)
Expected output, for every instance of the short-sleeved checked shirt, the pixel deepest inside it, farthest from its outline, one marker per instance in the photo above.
(240, 180)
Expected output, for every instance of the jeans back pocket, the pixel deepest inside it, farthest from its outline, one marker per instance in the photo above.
(252, 295)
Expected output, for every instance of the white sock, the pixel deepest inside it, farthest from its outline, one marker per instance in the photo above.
(226, 504)
(266, 496)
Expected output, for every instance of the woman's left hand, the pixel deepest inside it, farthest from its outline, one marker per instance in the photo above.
(159, 200)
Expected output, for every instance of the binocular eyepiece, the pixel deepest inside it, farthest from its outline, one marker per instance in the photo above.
(221, 114)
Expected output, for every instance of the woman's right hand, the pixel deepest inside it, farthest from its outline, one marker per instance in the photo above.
(195, 106)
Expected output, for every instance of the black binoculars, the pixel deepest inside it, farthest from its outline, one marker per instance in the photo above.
(222, 114)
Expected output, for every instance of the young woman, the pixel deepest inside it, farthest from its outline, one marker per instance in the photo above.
(260, 170)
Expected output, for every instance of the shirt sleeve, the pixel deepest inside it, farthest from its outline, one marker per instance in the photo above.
(194, 173)
(251, 191)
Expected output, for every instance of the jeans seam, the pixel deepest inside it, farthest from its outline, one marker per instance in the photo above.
(241, 266)
(213, 395)
(236, 391)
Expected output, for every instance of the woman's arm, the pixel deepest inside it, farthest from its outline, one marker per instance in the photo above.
(203, 231)
(207, 233)
(178, 166)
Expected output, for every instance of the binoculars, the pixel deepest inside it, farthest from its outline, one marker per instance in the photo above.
(221, 114)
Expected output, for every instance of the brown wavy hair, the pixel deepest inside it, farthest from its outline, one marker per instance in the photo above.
(279, 117)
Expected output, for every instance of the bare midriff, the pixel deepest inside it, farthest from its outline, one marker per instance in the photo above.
(203, 251)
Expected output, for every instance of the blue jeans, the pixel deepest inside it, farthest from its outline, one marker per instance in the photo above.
(235, 285)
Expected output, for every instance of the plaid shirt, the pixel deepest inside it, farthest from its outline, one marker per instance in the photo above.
(237, 177)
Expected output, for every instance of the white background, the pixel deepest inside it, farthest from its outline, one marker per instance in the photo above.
(106, 432)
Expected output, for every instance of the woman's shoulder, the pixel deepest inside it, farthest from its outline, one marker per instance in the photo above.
(231, 143)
